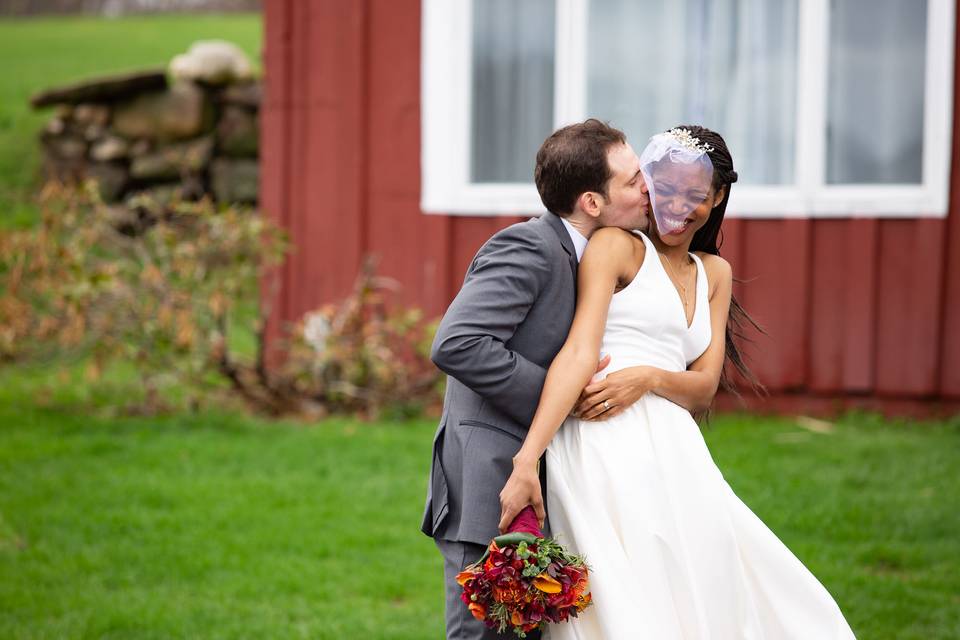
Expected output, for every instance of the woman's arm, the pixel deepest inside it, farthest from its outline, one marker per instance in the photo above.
(692, 389)
(606, 261)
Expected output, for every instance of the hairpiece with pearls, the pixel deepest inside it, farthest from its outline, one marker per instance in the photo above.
(686, 139)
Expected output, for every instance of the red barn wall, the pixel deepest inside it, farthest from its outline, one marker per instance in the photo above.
(858, 311)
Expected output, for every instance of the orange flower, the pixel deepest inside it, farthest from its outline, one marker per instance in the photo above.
(510, 594)
(580, 586)
(545, 583)
(463, 576)
(516, 618)
(478, 610)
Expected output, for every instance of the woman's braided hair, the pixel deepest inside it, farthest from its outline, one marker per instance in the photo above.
(708, 239)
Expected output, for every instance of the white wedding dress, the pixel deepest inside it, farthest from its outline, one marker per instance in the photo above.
(673, 551)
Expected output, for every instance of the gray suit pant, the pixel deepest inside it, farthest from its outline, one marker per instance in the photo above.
(461, 625)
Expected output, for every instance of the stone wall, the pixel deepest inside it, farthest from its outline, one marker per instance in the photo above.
(122, 7)
(184, 132)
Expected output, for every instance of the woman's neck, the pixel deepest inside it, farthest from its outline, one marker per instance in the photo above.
(675, 254)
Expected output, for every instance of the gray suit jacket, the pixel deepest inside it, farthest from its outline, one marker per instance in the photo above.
(495, 342)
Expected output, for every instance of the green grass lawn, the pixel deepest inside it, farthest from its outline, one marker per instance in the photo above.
(43, 52)
(222, 526)
(211, 526)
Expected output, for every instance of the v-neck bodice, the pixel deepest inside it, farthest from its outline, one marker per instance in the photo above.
(647, 324)
(701, 281)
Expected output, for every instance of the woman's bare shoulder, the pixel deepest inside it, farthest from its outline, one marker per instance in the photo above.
(615, 248)
(611, 235)
(615, 239)
(615, 244)
(717, 269)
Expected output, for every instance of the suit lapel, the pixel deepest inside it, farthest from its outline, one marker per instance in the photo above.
(564, 236)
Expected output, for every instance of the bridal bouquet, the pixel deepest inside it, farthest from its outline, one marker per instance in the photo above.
(523, 580)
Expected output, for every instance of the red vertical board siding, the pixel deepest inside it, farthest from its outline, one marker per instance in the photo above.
(732, 250)
(776, 263)
(895, 263)
(828, 289)
(411, 247)
(842, 295)
(731, 247)
(908, 311)
(275, 147)
(860, 297)
(299, 121)
(929, 245)
(329, 203)
(795, 287)
(735, 238)
(949, 366)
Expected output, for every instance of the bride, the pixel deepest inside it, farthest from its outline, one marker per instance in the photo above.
(674, 553)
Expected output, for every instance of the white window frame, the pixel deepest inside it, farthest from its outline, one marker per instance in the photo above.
(446, 116)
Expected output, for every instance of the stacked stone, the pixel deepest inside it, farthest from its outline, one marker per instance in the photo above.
(146, 138)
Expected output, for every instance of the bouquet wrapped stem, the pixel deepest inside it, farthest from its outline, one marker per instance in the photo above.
(524, 581)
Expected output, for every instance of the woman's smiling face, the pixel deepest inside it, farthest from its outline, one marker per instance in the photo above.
(682, 197)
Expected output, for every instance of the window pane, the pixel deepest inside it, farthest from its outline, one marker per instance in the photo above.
(876, 87)
(513, 52)
(730, 65)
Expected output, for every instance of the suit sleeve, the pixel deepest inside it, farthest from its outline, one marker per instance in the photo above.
(502, 284)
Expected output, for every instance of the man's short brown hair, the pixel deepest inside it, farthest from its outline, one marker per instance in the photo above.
(572, 161)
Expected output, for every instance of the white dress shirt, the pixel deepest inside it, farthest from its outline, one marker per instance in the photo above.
(579, 241)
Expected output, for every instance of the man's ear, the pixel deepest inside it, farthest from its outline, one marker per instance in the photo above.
(589, 201)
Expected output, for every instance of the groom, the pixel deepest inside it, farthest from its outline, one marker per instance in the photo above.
(502, 331)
